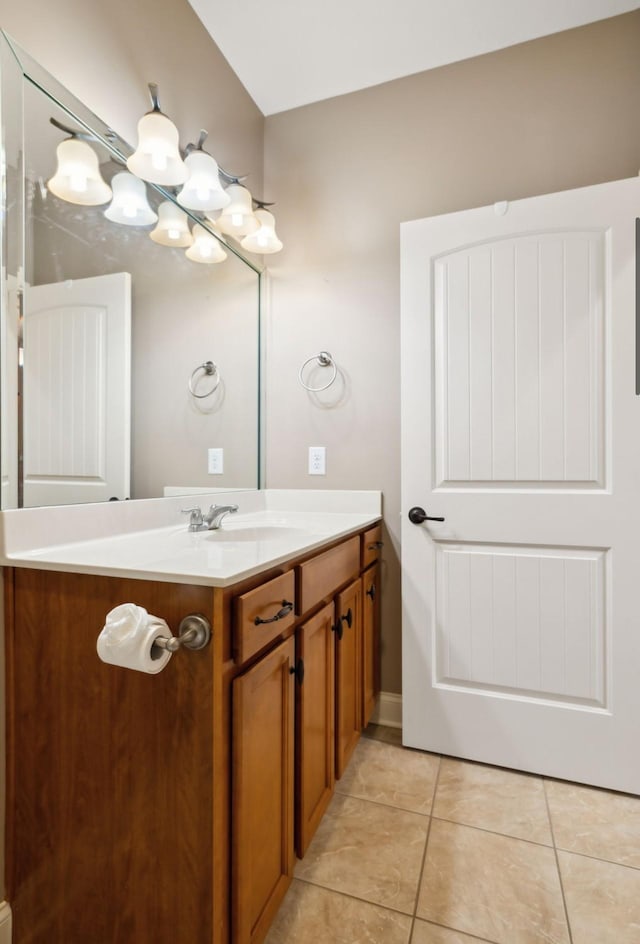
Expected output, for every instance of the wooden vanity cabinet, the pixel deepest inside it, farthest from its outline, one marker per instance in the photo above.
(262, 851)
(315, 723)
(169, 807)
(348, 673)
(370, 641)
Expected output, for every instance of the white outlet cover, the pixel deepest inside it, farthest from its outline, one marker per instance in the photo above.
(317, 460)
(215, 461)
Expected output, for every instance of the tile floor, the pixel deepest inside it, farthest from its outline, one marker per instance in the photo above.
(419, 849)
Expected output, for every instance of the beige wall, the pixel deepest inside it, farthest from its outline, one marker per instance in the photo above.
(556, 113)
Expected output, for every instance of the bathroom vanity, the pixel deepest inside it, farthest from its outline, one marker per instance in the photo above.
(170, 807)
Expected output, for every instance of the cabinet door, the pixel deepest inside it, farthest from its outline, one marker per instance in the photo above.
(262, 839)
(315, 725)
(370, 641)
(348, 673)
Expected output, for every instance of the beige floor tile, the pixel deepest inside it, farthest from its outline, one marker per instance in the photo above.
(603, 900)
(425, 933)
(494, 887)
(595, 822)
(312, 915)
(492, 798)
(391, 775)
(367, 850)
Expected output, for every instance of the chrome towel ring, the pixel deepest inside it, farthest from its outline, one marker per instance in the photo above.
(324, 359)
(210, 370)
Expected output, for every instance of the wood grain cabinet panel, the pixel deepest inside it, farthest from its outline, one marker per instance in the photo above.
(262, 785)
(371, 545)
(315, 724)
(348, 673)
(109, 827)
(320, 576)
(370, 641)
(261, 615)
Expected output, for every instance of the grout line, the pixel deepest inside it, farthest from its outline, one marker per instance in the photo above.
(363, 901)
(469, 934)
(494, 832)
(426, 844)
(386, 806)
(555, 852)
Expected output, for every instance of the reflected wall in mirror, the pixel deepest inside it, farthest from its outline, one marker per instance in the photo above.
(102, 329)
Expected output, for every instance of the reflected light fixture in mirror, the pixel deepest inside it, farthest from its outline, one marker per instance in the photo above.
(173, 226)
(129, 205)
(238, 218)
(157, 157)
(205, 248)
(265, 239)
(77, 178)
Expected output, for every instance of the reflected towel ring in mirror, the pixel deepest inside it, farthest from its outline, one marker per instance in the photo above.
(210, 370)
(324, 359)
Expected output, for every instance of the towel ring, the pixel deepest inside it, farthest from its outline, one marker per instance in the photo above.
(324, 359)
(210, 369)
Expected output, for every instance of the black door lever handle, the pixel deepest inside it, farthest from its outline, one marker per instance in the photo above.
(417, 515)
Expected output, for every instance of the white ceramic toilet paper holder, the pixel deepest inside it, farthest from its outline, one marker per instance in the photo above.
(194, 632)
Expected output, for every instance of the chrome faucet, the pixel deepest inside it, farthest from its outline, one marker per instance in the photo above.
(209, 522)
(215, 515)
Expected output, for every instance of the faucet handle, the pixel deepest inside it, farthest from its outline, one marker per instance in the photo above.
(196, 520)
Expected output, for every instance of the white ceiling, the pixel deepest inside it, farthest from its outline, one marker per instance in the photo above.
(292, 52)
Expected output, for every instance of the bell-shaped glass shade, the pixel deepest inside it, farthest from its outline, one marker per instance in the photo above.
(203, 190)
(77, 178)
(205, 248)
(264, 240)
(173, 226)
(157, 157)
(129, 205)
(238, 218)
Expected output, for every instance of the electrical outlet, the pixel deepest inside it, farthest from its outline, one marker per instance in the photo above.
(215, 458)
(317, 460)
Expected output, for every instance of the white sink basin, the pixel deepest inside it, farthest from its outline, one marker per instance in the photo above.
(265, 532)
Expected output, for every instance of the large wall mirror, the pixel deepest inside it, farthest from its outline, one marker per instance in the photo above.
(103, 329)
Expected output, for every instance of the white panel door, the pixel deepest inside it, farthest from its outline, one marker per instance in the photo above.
(521, 428)
(77, 391)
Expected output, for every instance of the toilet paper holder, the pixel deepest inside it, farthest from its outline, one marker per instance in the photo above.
(194, 632)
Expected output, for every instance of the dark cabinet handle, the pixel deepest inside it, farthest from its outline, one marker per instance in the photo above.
(298, 671)
(286, 609)
(337, 629)
(375, 546)
(371, 592)
(348, 619)
(417, 515)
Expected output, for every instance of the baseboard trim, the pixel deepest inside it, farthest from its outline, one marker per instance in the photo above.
(5, 923)
(388, 711)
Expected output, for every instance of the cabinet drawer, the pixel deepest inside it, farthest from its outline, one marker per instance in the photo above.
(322, 575)
(371, 545)
(262, 604)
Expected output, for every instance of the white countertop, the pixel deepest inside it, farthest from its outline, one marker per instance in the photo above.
(146, 540)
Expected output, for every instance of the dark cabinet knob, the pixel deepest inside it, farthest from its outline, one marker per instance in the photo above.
(348, 619)
(337, 629)
(298, 671)
(371, 592)
(417, 515)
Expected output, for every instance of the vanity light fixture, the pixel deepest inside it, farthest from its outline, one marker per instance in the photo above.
(129, 205)
(173, 226)
(77, 178)
(203, 190)
(265, 239)
(205, 248)
(238, 219)
(157, 157)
